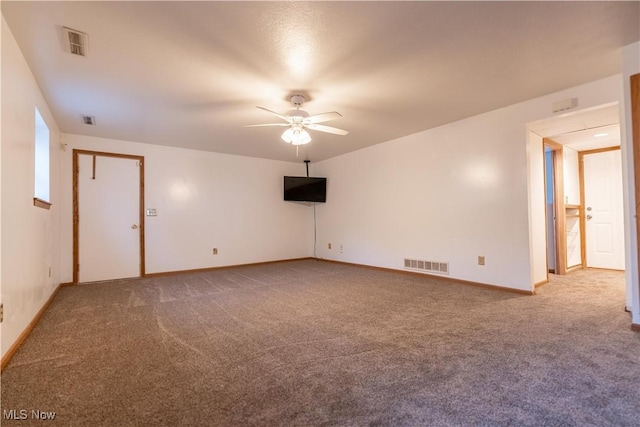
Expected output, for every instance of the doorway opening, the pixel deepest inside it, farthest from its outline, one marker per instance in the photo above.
(554, 196)
(568, 141)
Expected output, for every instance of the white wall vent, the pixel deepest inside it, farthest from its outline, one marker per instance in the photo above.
(564, 105)
(76, 42)
(426, 266)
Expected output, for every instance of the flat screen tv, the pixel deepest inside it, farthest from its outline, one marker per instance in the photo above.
(305, 189)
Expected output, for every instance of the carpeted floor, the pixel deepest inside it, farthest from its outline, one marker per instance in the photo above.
(316, 343)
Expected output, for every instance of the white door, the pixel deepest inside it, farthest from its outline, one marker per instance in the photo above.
(603, 214)
(108, 218)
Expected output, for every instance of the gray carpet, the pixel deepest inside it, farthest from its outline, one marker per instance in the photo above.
(317, 343)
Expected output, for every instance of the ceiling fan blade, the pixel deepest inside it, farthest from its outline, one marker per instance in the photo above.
(323, 117)
(327, 129)
(267, 124)
(285, 118)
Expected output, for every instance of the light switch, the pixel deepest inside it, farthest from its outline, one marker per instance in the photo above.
(151, 212)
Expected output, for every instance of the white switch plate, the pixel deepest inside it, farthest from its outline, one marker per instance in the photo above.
(151, 212)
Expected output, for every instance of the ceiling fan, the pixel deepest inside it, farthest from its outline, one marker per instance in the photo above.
(298, 121)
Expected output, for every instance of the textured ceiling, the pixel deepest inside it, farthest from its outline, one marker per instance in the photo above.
(189, 74)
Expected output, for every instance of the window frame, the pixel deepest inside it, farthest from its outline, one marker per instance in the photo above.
(42, 159)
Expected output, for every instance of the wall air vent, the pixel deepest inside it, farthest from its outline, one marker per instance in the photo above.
(426, 266)
(564, 105)
(89, 120)
(76, 42)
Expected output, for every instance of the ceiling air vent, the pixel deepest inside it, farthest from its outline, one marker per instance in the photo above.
(89, 120)
(76, 42)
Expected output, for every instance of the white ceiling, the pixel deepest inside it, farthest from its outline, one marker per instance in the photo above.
(582, 130)
(591, 139)
(189, 74)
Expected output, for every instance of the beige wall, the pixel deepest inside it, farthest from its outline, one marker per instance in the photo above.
(203, 200)
(30, 234)
(467, 189)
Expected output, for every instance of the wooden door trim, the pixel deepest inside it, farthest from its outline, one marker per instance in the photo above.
(559, 205)
(635, 127)
(76, 207)
(583, 205)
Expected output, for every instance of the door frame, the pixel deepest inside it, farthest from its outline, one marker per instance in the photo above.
(559, 207)
(635, 145)
(634, 81)
(76, 206)
(583, 219)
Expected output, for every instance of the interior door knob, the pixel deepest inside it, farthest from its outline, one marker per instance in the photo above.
(134, 226)
(589, 217)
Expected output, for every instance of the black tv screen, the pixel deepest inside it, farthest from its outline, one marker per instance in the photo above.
(305, 189)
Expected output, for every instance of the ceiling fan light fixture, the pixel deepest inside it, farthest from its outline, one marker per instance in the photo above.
(296, 136)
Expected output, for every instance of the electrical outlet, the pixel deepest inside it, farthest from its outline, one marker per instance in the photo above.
(49, 272)
(329, 245)
(480, 260)
(1, 312)
(215, 251)
(341, 247)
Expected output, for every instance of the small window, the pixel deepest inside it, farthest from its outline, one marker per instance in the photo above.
(41, 191)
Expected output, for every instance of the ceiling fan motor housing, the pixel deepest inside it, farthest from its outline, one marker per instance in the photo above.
(297, 100)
